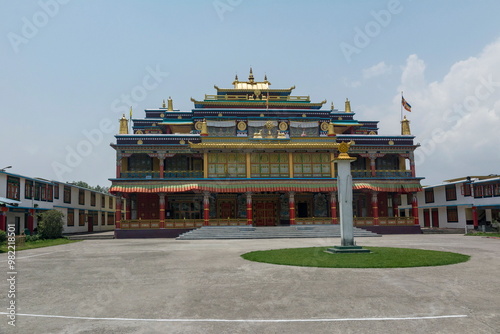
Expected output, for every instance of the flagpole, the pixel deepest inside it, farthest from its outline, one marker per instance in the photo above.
(401, 106)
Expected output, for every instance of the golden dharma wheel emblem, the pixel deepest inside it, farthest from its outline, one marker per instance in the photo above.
(139, 142)
(324, 126)
(283, 126)
(162, 115)
(343, 147)
(340, 118)
(179, 117)
(261, 115)
(220, 114)
(391, 142)
(198, 125)
(182, 142)
(242, 126)
(304, 115)
(372, 133)
(154, 124)
(138, 132)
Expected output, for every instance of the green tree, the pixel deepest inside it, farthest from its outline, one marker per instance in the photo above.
(51, 224)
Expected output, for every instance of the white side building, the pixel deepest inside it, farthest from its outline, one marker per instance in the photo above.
(473, 201)
(22, 198)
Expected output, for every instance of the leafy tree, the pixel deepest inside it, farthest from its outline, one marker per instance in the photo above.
(3, 237)
(84, 184)
(51, 224)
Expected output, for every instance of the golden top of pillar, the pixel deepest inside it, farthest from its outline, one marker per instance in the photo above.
(347, 106)
(170, 104)
(123, 125)
(405, 127)
(331, 130)
(343, 149)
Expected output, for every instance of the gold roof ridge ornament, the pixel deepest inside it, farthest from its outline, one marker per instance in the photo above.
(164, 106)
(204, 129)
(170, 104)
(123, 125)
(405, 127)
(347, 105)
(250, 76)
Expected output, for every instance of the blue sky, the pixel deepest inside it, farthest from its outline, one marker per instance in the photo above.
(67, 66)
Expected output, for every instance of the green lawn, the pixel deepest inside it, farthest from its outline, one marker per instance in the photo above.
(380, 257)
(484, 234)
(38, 244)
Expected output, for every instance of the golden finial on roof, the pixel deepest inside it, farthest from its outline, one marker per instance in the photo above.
(123, 125)
(170, 104)
(265, 77)
(331, 130)
(236, 77)
(347, 105)
(163, 105)
(332, 108)
(204, 129)
(250, 76)
(405, 127)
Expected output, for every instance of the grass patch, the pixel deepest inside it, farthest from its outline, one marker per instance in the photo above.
(380, 257)
(39, 244)
(484, 234)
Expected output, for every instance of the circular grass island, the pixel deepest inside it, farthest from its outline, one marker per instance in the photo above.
(379, 257)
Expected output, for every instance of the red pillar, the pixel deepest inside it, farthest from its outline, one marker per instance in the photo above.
(128, 206)
(414, 208)
(475, 219)
(412, 166)
(118, 166)
(372, 166)
(395, 205)
(29, 223)
(333, 207)
(291, 206)
(249, 209)
(118, 211)
(162, 210)
(3, 219)
(375, 208)
(206, 208)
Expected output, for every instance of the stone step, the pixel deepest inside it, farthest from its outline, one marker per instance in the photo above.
(269, 232)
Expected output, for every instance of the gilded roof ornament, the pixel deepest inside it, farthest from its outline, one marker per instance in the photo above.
(250, 76)
(170, 104)
(163, 105)
(123, 125)
(347, 106)
(405, 127)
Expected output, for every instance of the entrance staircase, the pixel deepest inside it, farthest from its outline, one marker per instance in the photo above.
(271, 232)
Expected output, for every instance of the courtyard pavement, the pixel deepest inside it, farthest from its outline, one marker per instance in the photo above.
(170, 286)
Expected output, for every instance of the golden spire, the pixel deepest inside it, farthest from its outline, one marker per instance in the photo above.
(123, 125)
(250, 76)
(347, 106)
(265, 77)
(204, 129)
(331, 130)
(163, 105)
(405, 127)
(332, 106)
(170, 104)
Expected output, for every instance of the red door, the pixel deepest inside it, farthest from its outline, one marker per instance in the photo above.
(435, 218)
(90, 223)
(427, 218)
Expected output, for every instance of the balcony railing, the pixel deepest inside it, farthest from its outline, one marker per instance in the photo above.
(384, 221)
(166, 174)
(209, 97)
(362, 173)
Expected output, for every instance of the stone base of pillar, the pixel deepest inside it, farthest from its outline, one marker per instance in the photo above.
(347, 250)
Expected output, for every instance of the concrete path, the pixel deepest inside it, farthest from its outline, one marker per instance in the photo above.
(169, 286)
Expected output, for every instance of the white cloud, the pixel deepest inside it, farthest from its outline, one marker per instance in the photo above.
(456, 119)
(376, 70)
